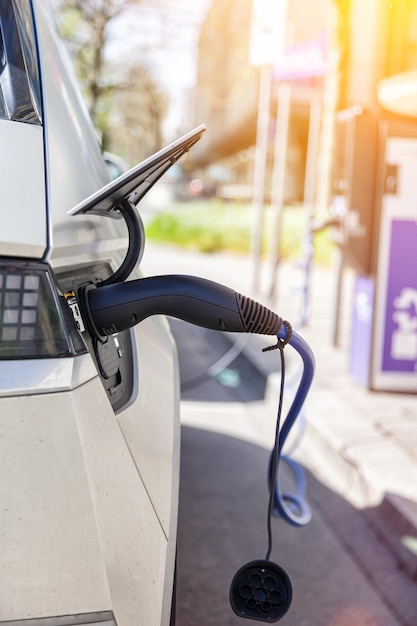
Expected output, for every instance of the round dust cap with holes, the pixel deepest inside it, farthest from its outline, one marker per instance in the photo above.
(261, 590)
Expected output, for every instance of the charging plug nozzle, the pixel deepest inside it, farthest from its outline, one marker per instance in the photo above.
(112, 308)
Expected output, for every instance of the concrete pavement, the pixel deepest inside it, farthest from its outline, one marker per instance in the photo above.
(360, 444)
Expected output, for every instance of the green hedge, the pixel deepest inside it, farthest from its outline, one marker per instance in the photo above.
(212, 226)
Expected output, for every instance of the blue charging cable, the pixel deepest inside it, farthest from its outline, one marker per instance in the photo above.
(292, 507)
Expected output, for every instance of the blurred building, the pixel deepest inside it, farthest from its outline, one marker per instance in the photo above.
(227, 87)
(369, 49)
(379, 55)
(227, 91)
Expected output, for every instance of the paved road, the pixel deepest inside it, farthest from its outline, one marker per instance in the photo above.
(200, 351)
(342, 575)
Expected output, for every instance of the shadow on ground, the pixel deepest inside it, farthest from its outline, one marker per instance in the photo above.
(199, 349)
(342, 574)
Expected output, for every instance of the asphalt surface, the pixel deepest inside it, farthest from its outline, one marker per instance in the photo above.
(342, 573)
(203, 378)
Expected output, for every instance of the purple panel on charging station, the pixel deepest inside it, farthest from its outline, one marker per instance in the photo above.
(400, 328)
(361, 335)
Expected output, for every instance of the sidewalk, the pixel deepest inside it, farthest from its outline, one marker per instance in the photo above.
(361, 444)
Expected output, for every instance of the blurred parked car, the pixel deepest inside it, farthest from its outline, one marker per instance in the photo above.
(89, 431)
(193, 188)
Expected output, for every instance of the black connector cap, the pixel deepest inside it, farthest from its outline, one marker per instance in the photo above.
(113, 308)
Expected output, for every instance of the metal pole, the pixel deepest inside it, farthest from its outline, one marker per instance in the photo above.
(259, 173)
(338, 299)
(309, 200)
(278, 177)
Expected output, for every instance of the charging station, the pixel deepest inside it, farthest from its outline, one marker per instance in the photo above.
(394, 338)
(376, 198)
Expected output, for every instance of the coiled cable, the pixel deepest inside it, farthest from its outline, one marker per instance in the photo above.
(292, 507)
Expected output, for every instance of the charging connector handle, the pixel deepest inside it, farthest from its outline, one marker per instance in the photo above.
(114, 308)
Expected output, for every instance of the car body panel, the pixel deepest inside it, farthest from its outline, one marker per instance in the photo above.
(89, 499)
(133, 543)
(22, 190)
(48, 567)
(36, 376)
(80, 534)
(153, 441)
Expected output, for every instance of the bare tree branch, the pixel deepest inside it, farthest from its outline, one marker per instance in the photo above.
(85, 25)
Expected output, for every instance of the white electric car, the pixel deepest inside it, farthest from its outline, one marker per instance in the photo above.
(89, 430)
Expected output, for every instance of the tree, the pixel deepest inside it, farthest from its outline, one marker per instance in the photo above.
(135, 121)
(86, 26)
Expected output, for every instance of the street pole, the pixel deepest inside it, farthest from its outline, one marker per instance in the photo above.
(310, 182)
(259, 174)
(278, 179)
(266, 46)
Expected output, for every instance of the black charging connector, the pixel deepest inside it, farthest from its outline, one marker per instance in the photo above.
(109, 309)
